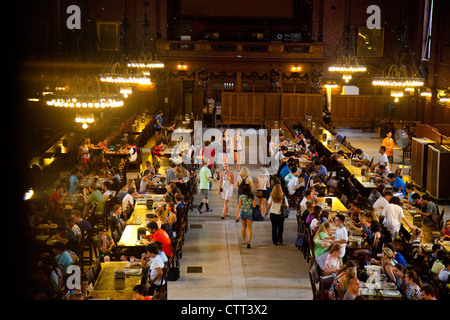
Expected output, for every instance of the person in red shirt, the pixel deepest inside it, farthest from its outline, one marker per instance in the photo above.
(446, 235)
(139, 293)
(55, 203)
(158, 234)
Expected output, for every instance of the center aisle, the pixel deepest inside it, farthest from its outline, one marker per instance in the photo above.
(216, 266)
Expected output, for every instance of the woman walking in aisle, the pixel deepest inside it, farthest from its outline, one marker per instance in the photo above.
(226, 187)
(237, 149)
(276, 201)
(245, 213)
(262, 185)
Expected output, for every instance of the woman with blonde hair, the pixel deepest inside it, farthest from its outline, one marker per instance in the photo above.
(387, 263)
(276, 200)
(244, 175)
(226, 187)
(332, 264)
(262, 183)
(322, 239)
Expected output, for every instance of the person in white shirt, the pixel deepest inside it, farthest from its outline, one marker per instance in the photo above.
(106, 192)
(308, 196)
(381, 203)
(392, 214)
(128, 199)
(383, 159)
(295, 183)
(133, 153)
(155, 265)
(341, 235)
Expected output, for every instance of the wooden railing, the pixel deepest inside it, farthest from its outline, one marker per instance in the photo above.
(264, 49)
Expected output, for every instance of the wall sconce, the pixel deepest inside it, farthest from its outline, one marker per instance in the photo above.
(182, 66)
(296, 68)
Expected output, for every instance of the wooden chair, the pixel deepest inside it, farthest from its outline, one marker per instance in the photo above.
(86, 255)
(439, 223)
(325, 283)
(162, 289)
(91, 276)
(294, 200)
(314, 277)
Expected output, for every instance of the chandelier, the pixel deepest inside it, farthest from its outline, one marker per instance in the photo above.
(348, 63)
(399, 77)
(85, 94)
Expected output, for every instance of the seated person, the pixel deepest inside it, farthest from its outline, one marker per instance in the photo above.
(381, 203)
(311, 154)
(300, 140)
(157, 234)
(409, 192)
(160, 149)
(285, 171)
(106, 246)
(322, 239)
(62, 256)
(296, 184)
(375, 194)
(382, 173)
(361, 156)
(353, 289)
(132, 152)
(438, 264)
(341, 282)
(353, 212)
(431, 212)
(399, 272)
(321, 171)
(416, 201)
(446, 232)
(334, 160)
(397, 183)
(387, 263)
(332, 264)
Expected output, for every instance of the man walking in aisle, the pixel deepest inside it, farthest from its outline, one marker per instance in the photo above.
(205, 178)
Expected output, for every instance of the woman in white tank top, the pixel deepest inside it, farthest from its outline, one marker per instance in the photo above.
(237, 149)
(262, 183)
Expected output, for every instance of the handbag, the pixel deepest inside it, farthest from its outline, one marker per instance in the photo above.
(300, 240)
(284, 211)
(257, 216)
(259, 193)
(173, 274)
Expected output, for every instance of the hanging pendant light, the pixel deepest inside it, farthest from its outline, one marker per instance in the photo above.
(399, 75)
(348, 63)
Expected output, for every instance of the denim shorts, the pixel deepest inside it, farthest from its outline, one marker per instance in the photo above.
(246, 215)
(205, 193)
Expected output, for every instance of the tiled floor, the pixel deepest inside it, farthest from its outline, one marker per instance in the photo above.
(229, 269)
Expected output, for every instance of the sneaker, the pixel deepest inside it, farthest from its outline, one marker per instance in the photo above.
(209, 210)
(199, 211)
(248, 246)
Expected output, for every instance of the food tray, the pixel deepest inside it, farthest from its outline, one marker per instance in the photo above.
(391, 293)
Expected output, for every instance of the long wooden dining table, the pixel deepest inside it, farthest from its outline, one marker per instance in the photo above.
(108, 287)
(139, 220)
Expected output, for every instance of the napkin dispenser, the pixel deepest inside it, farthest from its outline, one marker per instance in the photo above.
(119, 279)
(149, 203)
(435, 236)
(141, 232)
(417, 220)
